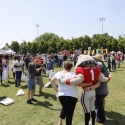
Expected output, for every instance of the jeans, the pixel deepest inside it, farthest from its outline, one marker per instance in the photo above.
(60, 62)
(31, 83)
(113, 65)
(18, 78)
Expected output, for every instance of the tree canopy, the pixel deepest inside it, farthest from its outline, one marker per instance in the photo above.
(52, 43)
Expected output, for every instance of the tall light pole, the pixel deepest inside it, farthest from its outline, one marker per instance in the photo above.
(102, 19)
(37, 26)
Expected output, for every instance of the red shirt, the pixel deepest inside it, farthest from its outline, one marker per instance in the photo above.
(39, 61)
(90, 74)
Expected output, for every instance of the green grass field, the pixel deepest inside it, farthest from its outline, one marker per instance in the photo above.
(46, 110)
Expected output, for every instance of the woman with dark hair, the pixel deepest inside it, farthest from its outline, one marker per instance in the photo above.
(67, 94)
(1, 70)
(18, 65)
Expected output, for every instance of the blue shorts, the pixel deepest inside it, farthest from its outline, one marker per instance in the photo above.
(31, 83)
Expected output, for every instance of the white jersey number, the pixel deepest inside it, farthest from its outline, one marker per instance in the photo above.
(92, 73)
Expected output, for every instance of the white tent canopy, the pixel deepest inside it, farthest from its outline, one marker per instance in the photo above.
(4, 49)
(10, 52)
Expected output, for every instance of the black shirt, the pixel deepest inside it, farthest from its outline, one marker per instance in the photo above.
(27, 61)
(55, 58)
(64, 58)
(38, 73)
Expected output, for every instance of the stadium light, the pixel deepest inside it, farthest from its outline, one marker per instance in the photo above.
(37, 26)
(102, 19)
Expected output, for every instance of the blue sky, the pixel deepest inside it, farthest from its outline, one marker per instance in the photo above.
(66, 18)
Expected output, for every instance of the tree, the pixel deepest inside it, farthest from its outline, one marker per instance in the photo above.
(23, 48)
(7, 45)
(34, 48)
(15, 46)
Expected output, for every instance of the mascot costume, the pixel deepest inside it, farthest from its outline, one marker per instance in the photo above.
(87, 71)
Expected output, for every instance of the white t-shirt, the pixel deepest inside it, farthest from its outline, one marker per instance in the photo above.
(18, 64)
(60, 56)
(66, 90)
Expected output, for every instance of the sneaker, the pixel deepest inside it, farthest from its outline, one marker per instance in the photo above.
(29, 102)
(100, 121)
(40, 92)
(33, 100)
(90, 123)
(16, 85)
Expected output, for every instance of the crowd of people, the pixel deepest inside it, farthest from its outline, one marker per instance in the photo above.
(93, 94)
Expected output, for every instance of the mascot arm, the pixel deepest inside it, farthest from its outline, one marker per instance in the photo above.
(79, 78)
(73, 81)
(102, 78)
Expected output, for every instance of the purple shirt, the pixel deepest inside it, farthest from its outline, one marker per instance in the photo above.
(50, 64)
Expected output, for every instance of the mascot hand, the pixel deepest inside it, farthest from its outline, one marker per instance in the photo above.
(102, 78)
(73, 81)
(110, 76)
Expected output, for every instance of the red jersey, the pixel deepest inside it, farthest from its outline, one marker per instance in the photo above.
(90, 74)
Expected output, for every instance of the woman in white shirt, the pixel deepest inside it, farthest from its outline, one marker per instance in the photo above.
(67, 94)
(5, 63)
(18, 65)
(13, 69)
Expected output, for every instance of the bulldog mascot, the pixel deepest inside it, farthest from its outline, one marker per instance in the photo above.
(87, 71)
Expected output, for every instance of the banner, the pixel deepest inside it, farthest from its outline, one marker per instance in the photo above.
(98, 51)
(104, 51)
(101, 51)
(85, 52)
(89, 52)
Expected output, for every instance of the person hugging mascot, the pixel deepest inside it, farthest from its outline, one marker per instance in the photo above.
(88, 76)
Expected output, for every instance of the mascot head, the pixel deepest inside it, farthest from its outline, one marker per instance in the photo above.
(85, 60)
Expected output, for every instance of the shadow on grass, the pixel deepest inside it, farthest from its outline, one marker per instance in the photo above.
(11, 82)
(45, 104)
(118, 70)
(114, 118)
(3, 97)
(24, 86)
(47, 95)
(115, 71)
(11, 78)
(5, 85)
